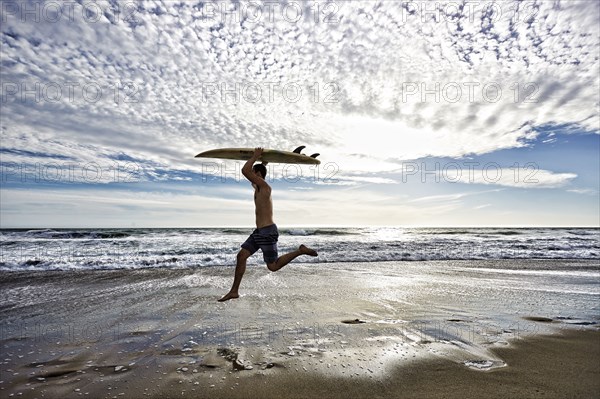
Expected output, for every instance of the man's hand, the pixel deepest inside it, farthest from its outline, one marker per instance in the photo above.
(257, 152)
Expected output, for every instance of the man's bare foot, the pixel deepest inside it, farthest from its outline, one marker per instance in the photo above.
(229, 296)
(307, 251)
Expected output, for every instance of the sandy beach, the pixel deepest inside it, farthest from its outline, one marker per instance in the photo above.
(423, 178)
(397, 329)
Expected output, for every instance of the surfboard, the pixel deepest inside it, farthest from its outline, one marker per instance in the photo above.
(268, 155)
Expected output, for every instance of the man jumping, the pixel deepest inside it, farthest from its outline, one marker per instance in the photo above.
(265, 235)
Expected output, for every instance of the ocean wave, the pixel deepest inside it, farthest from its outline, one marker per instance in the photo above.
(479, 232)
(585, 232)
(70, 249)
(319, 232)
(76, 234)
(235, 231)
(443, 232)
(507, 233)
(206, 260)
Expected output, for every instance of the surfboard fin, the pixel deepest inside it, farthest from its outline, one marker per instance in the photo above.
(297, 150)
(315, 155)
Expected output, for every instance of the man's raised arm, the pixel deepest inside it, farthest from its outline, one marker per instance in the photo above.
(247, 169)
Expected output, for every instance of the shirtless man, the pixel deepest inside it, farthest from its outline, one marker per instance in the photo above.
(265, 235)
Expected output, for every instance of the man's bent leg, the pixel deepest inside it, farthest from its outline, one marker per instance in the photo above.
(240, 269)
(287, 258)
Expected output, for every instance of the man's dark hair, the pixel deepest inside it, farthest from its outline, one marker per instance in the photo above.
(261, 169)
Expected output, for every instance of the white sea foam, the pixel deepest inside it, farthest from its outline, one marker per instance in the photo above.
(57, 249)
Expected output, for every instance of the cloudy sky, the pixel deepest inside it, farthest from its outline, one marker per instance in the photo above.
(456, 113)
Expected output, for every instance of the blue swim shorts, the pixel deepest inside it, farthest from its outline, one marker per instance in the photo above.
(264, 238)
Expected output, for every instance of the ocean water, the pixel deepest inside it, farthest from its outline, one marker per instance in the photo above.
(89, 249)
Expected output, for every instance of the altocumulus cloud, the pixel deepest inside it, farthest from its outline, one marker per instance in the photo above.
(160, 80)
(140, 87)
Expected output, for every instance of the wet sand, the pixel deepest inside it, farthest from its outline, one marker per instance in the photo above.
(374, 333)
(561, 366)
(558, 366)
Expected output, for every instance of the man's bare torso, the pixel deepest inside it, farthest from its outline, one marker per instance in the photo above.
(264, 206)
